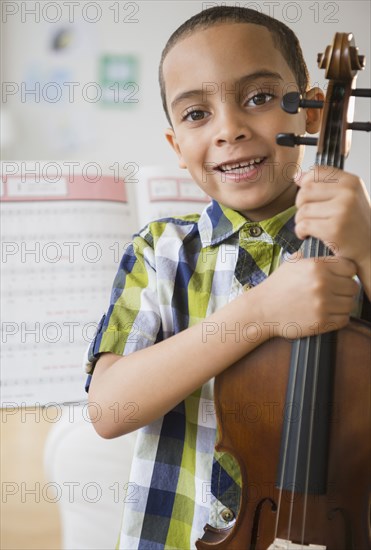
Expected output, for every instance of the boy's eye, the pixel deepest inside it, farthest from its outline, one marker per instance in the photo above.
(260, 99)
(194, 115)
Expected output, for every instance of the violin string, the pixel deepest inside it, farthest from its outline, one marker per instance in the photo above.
(306, 352)
(334, 129)
(278, 512)
(337, 159)
(295, 469)
(307, 250)
(286, 444)
(307, 254)
(289, 399)
(334, 132)
(310, 438)
(330, 140)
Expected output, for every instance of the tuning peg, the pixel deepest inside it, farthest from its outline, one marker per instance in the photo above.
(358, 62)
(361, 92)
(322, 58)
(363, 126)
(293, 100)
(290, 140)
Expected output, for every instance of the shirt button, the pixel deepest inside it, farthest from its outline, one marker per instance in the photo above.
(227, 515)
(255, 231)
(247, 286)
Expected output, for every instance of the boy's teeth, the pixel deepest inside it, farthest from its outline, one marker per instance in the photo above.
(225, 167)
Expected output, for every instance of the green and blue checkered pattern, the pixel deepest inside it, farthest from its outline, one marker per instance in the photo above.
(176, 272)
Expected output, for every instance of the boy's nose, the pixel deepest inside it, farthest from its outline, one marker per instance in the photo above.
(232, 128)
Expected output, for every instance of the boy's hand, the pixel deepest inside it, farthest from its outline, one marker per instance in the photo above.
(333, 206)
(307, 296)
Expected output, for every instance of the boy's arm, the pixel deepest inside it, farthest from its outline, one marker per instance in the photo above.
(334, 206)
(153, 380)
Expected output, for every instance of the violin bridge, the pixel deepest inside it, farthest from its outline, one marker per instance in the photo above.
(282, 544)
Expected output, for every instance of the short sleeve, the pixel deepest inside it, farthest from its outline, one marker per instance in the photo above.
(132, 321)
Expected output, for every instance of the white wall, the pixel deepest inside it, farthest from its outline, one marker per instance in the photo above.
(83, 130)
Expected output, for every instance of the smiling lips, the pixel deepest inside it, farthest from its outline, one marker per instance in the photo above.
(237, 171)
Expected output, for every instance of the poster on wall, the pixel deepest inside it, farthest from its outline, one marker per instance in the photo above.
(118, 76)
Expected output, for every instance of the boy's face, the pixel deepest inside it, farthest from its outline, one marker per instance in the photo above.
(224, 87)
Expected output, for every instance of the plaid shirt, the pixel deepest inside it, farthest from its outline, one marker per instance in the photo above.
(175, 273)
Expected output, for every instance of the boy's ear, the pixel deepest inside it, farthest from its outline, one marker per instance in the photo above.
(314, 116)
(170, 136)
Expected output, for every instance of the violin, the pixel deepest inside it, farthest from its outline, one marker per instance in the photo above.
(305, 464)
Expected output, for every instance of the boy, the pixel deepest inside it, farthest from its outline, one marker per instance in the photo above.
(188, 285)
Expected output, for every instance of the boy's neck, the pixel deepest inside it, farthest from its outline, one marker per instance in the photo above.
(281, 204)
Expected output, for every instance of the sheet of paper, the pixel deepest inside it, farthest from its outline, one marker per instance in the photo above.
(164, 191)
(62, 237)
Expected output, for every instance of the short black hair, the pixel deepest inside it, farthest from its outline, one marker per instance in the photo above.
(283, 38)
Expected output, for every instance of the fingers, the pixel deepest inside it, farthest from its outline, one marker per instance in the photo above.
(342, 267)
(323, 176)
(348, 289)
(314, 221)
(316, 192)
(337, 322)
(332, 199)
(341, 276)
(311, 291)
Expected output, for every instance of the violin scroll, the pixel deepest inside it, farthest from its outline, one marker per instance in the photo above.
(341, 61)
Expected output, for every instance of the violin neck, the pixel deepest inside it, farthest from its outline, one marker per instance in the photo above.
(314, 248)
(304, 444)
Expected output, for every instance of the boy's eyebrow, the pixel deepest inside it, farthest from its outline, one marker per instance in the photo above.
(272, 75)
(242, 81)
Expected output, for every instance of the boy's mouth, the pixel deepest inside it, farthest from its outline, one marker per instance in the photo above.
(241, 166)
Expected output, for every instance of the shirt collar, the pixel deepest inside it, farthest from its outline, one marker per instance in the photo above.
(217, 223)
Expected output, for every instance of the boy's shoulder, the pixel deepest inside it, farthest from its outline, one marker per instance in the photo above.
(177, 227)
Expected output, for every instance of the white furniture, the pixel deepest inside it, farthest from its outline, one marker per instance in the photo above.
(90, 476)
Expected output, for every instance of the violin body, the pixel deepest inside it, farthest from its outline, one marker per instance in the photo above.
(250, 406)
